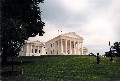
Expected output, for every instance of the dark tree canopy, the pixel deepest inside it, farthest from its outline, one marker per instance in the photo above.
(20, 19)
(115, 50)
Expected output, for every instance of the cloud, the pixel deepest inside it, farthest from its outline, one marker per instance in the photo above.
(74, 5)
(97, 21)
(50, 30)
(96, 36)
(53, 11)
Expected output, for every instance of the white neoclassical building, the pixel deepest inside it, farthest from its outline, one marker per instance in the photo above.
(64, 44)
(34, 48)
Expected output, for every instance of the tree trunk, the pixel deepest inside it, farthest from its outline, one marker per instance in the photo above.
(4, 61)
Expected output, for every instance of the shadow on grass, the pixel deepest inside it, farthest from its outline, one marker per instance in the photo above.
(16, 63)
(11, 73)
(5, 69)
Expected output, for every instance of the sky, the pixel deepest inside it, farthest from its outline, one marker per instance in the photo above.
(97, 21)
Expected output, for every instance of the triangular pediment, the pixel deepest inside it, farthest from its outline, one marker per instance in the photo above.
(72, 35)
(37, 42)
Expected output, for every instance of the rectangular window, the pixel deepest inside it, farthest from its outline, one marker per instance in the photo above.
(51, 45)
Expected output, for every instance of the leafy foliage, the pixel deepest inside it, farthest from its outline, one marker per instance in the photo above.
(20, 19)
(115, 50)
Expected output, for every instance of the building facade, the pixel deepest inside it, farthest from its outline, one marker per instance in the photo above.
(68, 43)
(35, 48)
(64, 44)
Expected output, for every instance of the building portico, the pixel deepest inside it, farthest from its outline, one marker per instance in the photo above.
(65, 44)
(70, 46)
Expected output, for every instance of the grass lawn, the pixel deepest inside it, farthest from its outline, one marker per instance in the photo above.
(65, 68)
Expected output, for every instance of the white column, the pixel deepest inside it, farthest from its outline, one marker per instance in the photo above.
(74, 46)
(81, 49)
(31, 48)
(66, 46)
(27, 50)
(41, 50)
(58, 47)
(77, 47)
(70, 48)
(38, 49)
(55, 48)
(61, 46)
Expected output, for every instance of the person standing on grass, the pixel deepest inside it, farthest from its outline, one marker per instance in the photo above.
(98, 58)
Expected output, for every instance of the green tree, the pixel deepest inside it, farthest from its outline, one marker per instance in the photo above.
(116, 48)
(20, 19)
